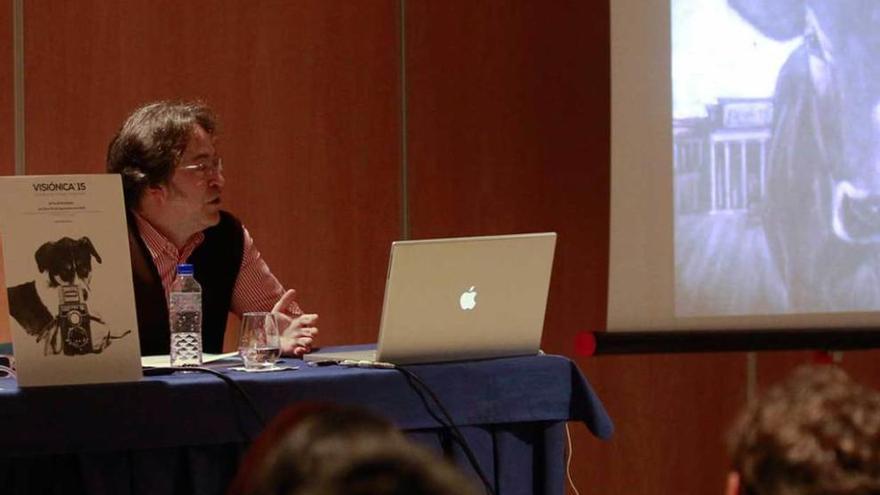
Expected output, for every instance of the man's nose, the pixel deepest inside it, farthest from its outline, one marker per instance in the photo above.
(217, 179)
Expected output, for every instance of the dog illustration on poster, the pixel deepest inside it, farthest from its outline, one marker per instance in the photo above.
(64, 285)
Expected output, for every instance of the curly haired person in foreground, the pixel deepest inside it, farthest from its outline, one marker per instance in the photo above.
(815, 433)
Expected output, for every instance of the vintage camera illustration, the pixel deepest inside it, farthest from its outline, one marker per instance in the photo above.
(74, 321)
(64, 266)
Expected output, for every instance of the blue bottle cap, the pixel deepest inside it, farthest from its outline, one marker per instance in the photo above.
(184, 269)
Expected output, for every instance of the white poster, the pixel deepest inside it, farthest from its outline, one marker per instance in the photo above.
(68, 279)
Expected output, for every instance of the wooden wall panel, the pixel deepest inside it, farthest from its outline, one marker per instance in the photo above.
(508, 131)
(7, 130)
(7, 109)
(672, 413)
(307, 93)
(862, 366)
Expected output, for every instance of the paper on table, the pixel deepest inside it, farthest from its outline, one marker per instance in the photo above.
(265, 370)
(165, 359)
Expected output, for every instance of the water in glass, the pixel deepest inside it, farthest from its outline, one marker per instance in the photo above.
(260, 345)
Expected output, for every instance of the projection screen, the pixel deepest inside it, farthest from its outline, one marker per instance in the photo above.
(745, 165)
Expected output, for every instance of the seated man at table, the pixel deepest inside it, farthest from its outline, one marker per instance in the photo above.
(816, 433)
(172, 178)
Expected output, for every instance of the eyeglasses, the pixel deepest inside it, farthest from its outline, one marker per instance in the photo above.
(206, 168)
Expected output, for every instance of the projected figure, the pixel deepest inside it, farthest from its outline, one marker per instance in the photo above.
(821, 211)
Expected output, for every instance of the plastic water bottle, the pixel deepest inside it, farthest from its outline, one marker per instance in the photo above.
(185, 313)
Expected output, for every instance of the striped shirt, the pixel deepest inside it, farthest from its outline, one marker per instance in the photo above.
(256, 289)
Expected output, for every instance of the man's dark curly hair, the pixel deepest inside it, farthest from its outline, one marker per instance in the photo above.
(816, 433)
(150, 143)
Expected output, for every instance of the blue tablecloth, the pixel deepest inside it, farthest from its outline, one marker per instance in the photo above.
(184, 433)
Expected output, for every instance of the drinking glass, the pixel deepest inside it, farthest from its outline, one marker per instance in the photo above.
(260, 344)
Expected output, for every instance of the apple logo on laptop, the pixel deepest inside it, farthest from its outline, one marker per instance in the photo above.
(468, 299)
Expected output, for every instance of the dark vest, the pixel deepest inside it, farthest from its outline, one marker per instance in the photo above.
(216, 263)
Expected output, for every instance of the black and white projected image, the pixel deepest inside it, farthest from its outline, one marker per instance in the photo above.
(776, 124)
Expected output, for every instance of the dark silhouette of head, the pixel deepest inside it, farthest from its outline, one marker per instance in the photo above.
(325, 449)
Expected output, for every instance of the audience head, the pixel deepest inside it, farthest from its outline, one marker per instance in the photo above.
(388, 469)
(149, 144)
(816, 433)
(323, 449)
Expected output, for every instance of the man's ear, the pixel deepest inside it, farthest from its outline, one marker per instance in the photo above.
(156, 193)
(733, 483)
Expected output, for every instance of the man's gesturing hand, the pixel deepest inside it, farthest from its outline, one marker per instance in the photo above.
(297, 332)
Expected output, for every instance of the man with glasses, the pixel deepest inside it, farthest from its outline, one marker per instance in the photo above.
(173, 181)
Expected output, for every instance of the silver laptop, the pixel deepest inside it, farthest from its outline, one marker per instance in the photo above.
(459, 299)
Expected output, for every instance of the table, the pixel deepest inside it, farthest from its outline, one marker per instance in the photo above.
(184, 433)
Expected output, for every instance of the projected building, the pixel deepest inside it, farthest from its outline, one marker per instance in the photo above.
(720, 160)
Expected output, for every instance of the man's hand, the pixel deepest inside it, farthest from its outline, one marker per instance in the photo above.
(297, 333)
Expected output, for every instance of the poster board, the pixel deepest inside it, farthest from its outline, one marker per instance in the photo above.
(5, 336)
(67, 268)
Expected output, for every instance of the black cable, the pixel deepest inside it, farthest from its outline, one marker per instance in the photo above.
(421, 387)
(418, 385)
(229, 381)
(456, 434)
